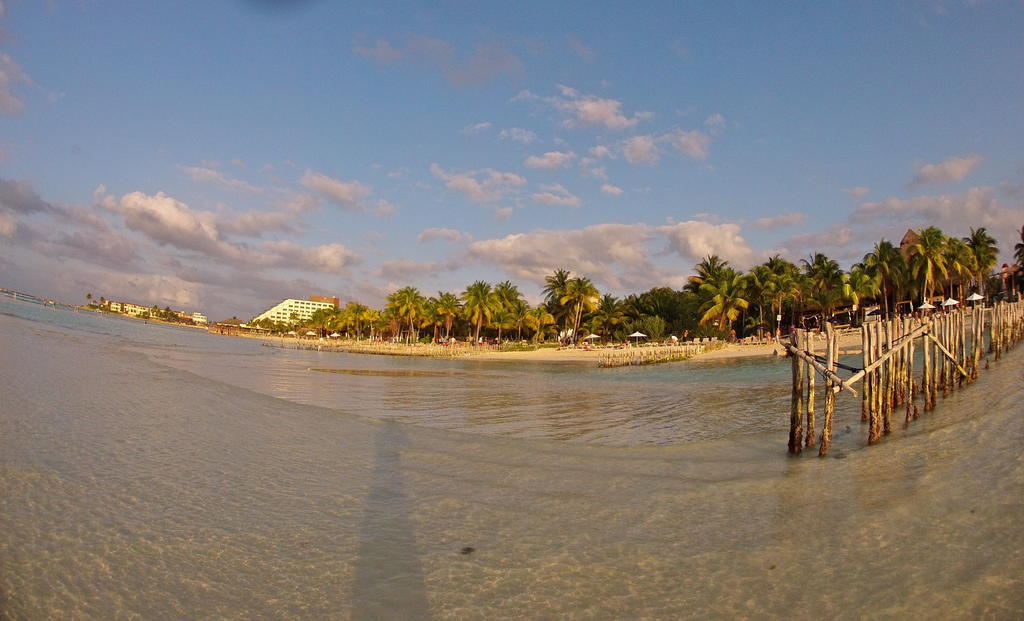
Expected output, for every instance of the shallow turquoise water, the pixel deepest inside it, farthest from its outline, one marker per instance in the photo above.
(158, 472)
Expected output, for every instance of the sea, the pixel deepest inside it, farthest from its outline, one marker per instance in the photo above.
(150, 471)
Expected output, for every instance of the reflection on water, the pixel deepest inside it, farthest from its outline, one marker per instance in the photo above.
(155, 472)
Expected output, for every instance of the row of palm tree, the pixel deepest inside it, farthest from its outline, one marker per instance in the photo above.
(716, 300)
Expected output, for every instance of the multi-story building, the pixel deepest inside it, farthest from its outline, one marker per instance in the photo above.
(199, 318)
(302, 309)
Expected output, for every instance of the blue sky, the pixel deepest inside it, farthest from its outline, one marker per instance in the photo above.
(221, 156)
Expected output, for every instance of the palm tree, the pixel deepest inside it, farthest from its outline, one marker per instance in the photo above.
(448, 309)
(554, 288)
(983, 247)
(825, 279)
(508, 294)
(407, 304)
(726, 299)
(960, 261)
(885, 263)
(580, 295)
(480, 303)
(860, 284)
(708, 268)
(537, 319)
(519, 312)
(929, 259)
(609, 313)
(88, 299)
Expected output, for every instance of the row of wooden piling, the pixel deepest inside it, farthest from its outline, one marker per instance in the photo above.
(634, 356)
(952, 346)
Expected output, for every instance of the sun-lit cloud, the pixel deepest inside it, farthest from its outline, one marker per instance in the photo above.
(452, 235)
(581, 110)
(556, 194)
(518, 134)
(641, 150)
(786, 219)
(952, 169)
(10, 76)
(345, 194)
(479, 186)
(857, 192)
(484, 64)
(209, 175)
(611, 189)
(693, 144)
(550, 160)
(476, 128)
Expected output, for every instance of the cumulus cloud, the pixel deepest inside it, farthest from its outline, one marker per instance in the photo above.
(209, 175)
(556, 194)
(694, 144)
(345, 194)
(641, 150)
(452, 235)
(550, 160)
(328, 258)
(475, 128)
(695, 239)
(479, 186)
(951, 212)
(171, 222)
(786, 219)
(518, 134)
(8, 224)
(485, 63)
(580, 110)
(858, 192)
(614, 254)
(611, 189)
(10, 76)
(952, 169)
(600, 151)
(20, 196)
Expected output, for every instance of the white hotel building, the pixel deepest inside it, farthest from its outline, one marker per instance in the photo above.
(303, 309)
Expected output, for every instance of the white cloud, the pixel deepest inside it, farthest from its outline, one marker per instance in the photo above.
(8, 224)
(600, 151)
(345, 194)
(479, 186)
(588, 110)
(452, 235)
(486, 62)
(858, 192)
(168, 221)
(550, 160)
(327, 258)
(774, 222)
(694, 144)
(641, 150)
(475, 128)
(10, 75)
(518, 134)
(953, 213)
(952, 169)
(216, 177)
(556, 194)
(695, 239)
(611, 189)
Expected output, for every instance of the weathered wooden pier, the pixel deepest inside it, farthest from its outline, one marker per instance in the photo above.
(952, 345)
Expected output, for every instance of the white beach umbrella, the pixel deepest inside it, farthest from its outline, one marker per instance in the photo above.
(638, 335)
(311, 333)
(950, 302)
(334, 335)
(591, 336)
(925, 306)
(974, 297)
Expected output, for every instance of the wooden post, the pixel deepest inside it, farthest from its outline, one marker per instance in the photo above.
(926, 373)
(808, 346)
(796, 398)
(890, 379)
(865, 357)
(877, 387)
(911, 408)
(831, 353)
